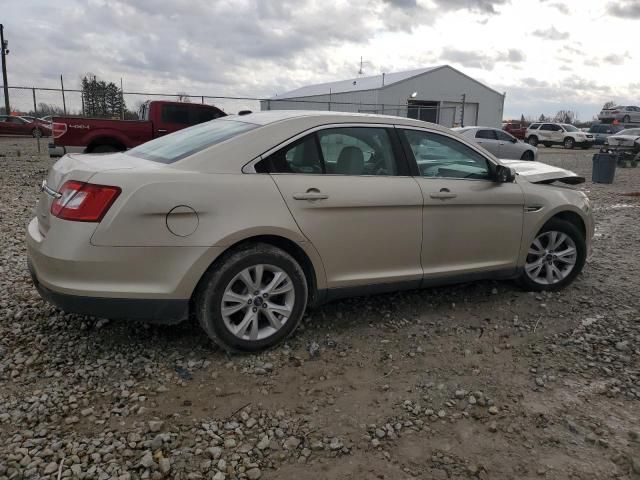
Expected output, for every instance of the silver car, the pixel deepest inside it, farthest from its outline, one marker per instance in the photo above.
(499, 142)
(622, 113)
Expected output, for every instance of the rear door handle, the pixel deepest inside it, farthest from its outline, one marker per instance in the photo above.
(442, 195)
(310, 195)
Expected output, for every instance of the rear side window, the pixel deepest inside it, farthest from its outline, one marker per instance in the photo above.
(188, 114)
(181, 144)
(486, 134)
(354, 151)
(534, 126)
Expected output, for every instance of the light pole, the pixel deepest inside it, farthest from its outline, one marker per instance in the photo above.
(5, 51)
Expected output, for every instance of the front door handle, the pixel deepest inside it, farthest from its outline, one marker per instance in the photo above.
(443, 194)
(311, 194)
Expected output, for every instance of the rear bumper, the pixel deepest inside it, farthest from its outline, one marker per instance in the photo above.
(59, 151)
(151, 283)
(155, 310)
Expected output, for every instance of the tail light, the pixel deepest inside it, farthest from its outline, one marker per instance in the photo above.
(84, 202)
(58, 129)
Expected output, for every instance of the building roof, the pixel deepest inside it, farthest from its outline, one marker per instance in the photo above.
(355, 84)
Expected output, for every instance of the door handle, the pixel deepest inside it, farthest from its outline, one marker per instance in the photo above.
(442, 195)
(162, 130)
(311, 194)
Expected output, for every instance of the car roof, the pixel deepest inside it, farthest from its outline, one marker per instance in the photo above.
(320, 117)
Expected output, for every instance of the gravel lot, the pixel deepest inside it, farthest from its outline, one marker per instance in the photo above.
(479, 380)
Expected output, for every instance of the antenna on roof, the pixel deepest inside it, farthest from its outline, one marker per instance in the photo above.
(361, 71)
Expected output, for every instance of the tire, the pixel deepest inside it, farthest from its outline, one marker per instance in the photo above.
(227, 280)
(528, 155)
(105, 149)
(532, 140)
(569, 143)
(626, 119)
(526, 278)
(36, 133)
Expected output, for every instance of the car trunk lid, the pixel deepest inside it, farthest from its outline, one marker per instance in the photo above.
(81, 168)
(538, 172)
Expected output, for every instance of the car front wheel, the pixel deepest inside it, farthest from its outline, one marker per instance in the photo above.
(569, 143)
(253, 299)
(555, 257)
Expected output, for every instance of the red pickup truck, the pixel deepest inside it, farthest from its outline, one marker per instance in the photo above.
(516, 129)
(99, 135)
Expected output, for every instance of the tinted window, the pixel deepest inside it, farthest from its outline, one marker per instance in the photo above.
(503, 136)
(441, 156)
(175, 114)
(534, 126)
(357, 151)
(487, 134)
(181, 144)
(300, 157)
(547, 127)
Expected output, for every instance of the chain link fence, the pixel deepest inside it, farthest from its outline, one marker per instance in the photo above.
(43, 102)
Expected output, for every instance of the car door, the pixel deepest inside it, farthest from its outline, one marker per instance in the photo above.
(545, 133)
(509, 145)
(14, 126)
(634, 114)
(557, 133)
(471, 224)
(487, 138)
(350, 192)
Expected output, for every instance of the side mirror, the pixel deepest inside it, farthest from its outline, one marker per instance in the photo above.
(505, 174)
(514, 140)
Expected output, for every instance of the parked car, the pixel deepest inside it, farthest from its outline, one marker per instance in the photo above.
(621, 113)
(12, 125)
(516, 129)
(602, 131)
(550, 134)
(626, 140)
(245, 220)
(499, 142)
(99, 135)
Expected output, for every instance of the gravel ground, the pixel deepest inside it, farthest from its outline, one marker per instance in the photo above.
(478, 380)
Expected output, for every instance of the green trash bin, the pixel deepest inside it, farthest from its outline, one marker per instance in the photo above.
(604, 168)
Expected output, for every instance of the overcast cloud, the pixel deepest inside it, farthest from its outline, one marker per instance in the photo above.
(545, 56)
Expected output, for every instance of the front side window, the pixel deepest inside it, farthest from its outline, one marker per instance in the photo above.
(441, 156)
(504, 137)
(178, 145)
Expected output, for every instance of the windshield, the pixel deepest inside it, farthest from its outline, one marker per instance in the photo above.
(570, 128)
(181, 144)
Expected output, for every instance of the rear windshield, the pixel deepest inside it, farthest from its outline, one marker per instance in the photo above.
(181, 144)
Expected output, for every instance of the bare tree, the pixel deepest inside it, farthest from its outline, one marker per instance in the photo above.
(608, 105)
(183, 97)
(565, 116)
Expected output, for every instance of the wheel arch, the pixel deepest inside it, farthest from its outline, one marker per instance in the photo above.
(311, 270)
(105, 140)
(570, 217)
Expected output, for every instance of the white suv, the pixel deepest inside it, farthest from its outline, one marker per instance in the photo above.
(563, 134)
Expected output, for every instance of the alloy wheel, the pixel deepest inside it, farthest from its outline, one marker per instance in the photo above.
(257, 302)
(551, 258)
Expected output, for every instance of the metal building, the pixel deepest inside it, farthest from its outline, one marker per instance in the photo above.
(439, 94)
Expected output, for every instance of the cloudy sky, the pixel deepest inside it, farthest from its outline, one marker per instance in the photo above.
(546, 55)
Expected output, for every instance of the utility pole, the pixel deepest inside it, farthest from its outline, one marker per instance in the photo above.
(5, 51)
(464, 102)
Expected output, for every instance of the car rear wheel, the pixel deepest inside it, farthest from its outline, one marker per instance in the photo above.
(532, 140)
(36, 133)
(569, 143)
(253, 299)
(528, 155)
(555, 257)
